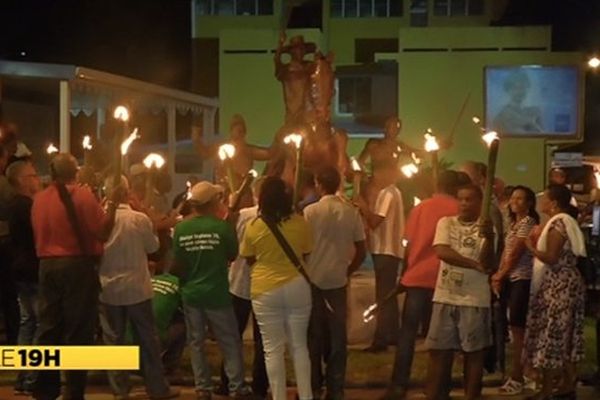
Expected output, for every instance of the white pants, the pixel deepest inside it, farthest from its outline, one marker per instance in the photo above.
(283, 313)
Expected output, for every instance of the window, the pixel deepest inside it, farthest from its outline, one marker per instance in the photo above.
(366, 8)
(458, 7)
(234, 7)
(419, 13)
(354, 95)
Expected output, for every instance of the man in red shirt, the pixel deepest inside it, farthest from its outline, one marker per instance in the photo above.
(69, 227)
(420, 275)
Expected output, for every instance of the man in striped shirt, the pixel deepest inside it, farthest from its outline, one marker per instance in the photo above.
(384, 219)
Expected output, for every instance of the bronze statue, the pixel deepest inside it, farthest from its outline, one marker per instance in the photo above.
(308, 87)
(245, 154)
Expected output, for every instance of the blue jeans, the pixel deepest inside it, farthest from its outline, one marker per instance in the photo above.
(114, 321)
(418, 301)
(224, 326)
(28, 307)
(327, 340)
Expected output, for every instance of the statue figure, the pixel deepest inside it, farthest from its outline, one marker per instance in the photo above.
(245, 154)
(295, 78)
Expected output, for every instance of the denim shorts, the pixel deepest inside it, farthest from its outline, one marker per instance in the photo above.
(460, 328)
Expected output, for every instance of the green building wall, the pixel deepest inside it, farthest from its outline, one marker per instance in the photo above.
(432, 85)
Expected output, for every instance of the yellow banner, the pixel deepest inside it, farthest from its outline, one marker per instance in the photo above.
(70, 357)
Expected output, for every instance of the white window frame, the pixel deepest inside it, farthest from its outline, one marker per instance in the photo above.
(467, 12)
(254, 14)
(358, 2)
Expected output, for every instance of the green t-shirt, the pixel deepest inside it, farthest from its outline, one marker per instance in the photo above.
(165, 301)
(203, 247)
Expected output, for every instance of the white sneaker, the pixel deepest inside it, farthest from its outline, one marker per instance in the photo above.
(511, 388)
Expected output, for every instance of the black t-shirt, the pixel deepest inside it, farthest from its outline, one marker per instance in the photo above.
(25, 262)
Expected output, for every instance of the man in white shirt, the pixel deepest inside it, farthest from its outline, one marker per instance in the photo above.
(384, 218)
(239, 287)
(126, 296)
(339, 250)
(461, 317)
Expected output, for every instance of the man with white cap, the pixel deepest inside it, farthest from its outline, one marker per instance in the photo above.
(203, 246)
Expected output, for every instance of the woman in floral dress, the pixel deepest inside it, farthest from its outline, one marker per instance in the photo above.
(554, 336)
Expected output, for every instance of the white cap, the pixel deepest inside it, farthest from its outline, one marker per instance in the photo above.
(204, 191)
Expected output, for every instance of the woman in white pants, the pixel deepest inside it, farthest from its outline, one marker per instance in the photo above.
(281, 297)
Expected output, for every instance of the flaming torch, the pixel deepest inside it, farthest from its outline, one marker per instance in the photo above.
(432, 147)
(226, 154)
(121, 114)
(51, 149)
(296, 140)
(409, 170)
(87, 148)
(356, 178)
(237, 197)
(373, 309)
(153, 162)
(125, 147)
(493, 142)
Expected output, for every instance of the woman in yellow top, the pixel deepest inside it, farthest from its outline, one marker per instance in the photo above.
(281, 297)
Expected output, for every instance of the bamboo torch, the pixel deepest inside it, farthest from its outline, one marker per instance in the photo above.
(296, 140)
(125, 147)
(121, 114)
(153, 162)
(237, 197)
(432, 147)
(493, 142)
(87, 150)
(226, 154)
(356, 178)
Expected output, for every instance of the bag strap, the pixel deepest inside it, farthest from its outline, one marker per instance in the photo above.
(287, 248)
(67, 200)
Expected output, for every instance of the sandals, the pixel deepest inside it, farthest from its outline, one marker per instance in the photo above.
(511, 388)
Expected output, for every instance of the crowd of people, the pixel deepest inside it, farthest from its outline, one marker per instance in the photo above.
(169, 277)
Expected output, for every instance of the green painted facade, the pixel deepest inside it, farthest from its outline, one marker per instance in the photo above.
(438, 66)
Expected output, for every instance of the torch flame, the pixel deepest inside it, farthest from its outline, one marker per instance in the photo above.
(431, 143)
(404, 243)
(51, 149)
(294, 138)
(188, 194)
(416, 159)
(127, 142)
(154, 160)
(476, 120)
(368, 315)
(87, 142)
(416, 201)
(489, 137)
(121, 113)
(409, 170)
(226, 151)
(253, 173)
(355, 165)
(597, 176)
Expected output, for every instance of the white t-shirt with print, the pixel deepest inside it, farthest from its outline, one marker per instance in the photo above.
(387, 237)
(457, 285)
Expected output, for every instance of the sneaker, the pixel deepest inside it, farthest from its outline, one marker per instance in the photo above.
(243, 393)
(22, 392)
(394, 393)
(203, 395)
(221, 390)
(511, 388)
(173, 393)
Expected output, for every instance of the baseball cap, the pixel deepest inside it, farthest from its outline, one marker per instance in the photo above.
(204, 191)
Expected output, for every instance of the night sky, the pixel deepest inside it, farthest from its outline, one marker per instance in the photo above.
(150, 39)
